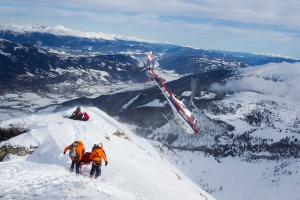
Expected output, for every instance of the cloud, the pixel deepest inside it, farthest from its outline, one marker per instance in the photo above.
(256, 11)
(258, 80)
(262, 26)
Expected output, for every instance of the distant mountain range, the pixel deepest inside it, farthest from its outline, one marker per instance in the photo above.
(75, 42)
(27, 67)
(62, 31)
(60, 60)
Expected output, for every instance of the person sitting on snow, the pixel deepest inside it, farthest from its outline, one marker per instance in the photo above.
(76, 151)
(77, 114)
(96, 156)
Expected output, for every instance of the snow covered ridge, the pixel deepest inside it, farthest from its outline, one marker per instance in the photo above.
(62, 31)
(135, 169)
(275, 55)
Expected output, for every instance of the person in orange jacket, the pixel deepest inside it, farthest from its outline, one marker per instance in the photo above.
(96, 156)
(76, 151)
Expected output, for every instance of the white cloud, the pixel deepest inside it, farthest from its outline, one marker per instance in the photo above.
(250, 26)
(256, 11)
(256, 80)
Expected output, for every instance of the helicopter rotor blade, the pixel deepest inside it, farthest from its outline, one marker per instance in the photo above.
(194, 85)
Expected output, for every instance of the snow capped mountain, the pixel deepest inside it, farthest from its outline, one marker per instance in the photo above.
(62, 31)
(26, 67)
(134, 171)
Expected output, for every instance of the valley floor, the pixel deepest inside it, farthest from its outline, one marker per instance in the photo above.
(22, 104)
(233, 179)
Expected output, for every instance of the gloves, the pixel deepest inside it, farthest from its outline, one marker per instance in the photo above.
(106, 163)
(64, 153)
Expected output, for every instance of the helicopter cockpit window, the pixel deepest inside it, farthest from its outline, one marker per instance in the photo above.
(186, 104)
(192, 117)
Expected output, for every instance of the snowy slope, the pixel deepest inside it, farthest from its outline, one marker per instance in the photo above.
(233, 179)
(135, 169)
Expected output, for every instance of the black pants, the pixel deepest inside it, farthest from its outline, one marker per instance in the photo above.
(77, 165)
(76, 117)
(96, 167)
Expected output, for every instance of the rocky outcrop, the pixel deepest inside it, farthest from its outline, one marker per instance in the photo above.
(7, 149)
(7, 133)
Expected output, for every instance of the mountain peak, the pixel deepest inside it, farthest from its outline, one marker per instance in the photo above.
(38, 26)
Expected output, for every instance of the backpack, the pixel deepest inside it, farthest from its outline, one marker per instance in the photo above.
(73, 150)
(86, 116)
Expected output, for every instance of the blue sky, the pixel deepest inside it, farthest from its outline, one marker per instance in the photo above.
(256, 26)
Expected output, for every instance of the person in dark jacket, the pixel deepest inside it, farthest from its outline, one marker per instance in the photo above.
(77, 114)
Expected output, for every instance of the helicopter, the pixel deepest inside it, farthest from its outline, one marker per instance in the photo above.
(181, 109)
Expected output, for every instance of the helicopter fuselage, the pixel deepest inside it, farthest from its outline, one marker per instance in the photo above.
(180, 107)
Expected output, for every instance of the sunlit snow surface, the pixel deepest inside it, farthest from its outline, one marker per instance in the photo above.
(135, 169)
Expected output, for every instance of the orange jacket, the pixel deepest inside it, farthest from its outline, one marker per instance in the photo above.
(80, 149)
(98, 154)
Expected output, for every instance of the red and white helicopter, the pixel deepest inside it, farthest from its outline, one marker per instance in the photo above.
(182, 112)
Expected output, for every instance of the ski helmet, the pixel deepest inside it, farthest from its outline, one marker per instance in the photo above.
(78, 108)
